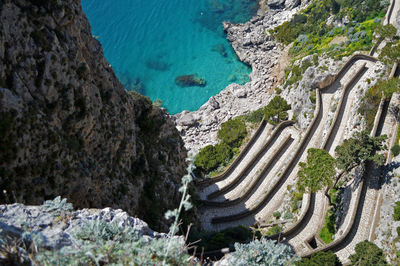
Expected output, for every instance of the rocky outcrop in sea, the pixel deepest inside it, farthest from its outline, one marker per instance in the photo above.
(67, 125)
(254, 46)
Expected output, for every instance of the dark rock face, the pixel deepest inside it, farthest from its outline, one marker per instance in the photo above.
(67, 125)
(190, 81)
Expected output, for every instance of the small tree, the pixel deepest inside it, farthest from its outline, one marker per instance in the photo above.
(276, 110)
(390, 53)
(206, 160)
(320, 258)
(389, 87)
(359, 149)
(385, 32)
(232, 132)
(367, 253)
(318, 172)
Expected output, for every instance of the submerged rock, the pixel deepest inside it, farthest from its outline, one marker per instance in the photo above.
(220, 48)
(157, 65)
(190, 81)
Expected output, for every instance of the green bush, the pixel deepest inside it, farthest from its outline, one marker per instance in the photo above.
(223, 153)
(288, 215)
(211, 157)
(369, 105)
(368, 253)
(232, 132)
(276, 110)
(396, 211)
(255, 116)
(320, 258)
(206, 160)
(329, 228)
(396, 149)
(274, 230)
(277, 215)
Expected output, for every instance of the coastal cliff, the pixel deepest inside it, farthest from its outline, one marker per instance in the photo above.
(67, 125)
(254, 46)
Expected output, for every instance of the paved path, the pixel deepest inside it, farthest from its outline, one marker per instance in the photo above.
(314, 222)
(359, 229)
(242, 164)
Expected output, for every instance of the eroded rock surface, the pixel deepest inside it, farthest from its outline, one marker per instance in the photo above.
(67, 125)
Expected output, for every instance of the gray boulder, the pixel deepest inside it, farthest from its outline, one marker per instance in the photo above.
(290, 4)
(188, 120)
(276, 3)
(54, 227)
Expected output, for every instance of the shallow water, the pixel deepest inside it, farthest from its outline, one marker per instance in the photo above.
(149, 43)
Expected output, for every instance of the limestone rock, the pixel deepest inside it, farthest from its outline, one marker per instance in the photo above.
(241, 93)
(56, 226)
(292, 3)
(68, 126)
(213, 103)
(276, 3)
(188, 120)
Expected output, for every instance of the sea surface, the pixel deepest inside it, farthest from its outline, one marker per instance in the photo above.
(151, 42)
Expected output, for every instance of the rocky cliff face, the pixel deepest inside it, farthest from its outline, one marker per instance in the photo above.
(67, 125)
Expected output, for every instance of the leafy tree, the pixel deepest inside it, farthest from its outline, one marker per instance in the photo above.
(206, 159)
(262, 252)
(232, 132)
(276, 110)
(387, 32)
(317, 172)
(320, 258)
(359, 149)
(367, 253)
(390, 53)
(396, 149)
(389, 87)
(223, 153)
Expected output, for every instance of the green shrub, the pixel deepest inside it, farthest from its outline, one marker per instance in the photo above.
(369, 106)
(255, 116)
(206, 160)
(276, 110)
(274, 230)
(396, 211)
(329, 228)
(320, 258)
(367, 253)
(211, 157)
(398, 231)
(288, 215)
(277, 214)
(396, 149)
(232, 132)
(223, 153)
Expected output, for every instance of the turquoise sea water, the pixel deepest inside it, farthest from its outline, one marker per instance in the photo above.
(151, 42)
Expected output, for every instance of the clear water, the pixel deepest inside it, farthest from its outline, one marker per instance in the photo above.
(151, 42)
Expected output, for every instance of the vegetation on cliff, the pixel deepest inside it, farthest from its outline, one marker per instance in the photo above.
(67, 125)
(313, 30)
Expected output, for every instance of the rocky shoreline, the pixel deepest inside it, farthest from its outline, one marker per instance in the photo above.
(253, 46)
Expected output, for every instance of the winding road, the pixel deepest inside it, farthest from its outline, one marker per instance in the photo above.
(254, 186)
